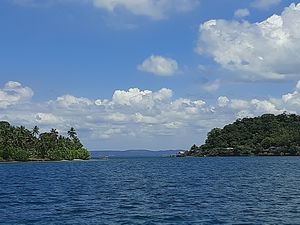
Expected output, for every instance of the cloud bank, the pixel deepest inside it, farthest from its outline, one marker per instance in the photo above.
(136, 116)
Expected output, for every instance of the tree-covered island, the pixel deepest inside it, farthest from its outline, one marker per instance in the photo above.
(267, 135)
(21, 144)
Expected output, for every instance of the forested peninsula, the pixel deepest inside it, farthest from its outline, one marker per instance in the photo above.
(21, 144)
(267, 135)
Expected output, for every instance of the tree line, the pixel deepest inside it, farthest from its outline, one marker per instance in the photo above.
(264, 135)
(20, 144)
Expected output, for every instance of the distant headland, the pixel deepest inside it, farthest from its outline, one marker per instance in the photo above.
(267, 135)
(21, 144)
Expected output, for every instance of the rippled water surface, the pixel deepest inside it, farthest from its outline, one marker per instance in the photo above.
(250, 190)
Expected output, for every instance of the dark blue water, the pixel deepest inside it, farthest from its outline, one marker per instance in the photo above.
(249, 190)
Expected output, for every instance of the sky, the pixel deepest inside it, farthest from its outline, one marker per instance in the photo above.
(147, 74)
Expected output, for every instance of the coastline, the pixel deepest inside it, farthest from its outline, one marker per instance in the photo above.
(41, 160)
(235, 156)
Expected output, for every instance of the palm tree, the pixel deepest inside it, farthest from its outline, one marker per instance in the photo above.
(35, 131)
(72, 133)
(19, 143)
(54, 133)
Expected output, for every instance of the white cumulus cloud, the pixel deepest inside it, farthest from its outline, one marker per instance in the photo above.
(69, 100)
(223, 101)
(268, 50)
(47, 119)
(14, 93)
(159, 65)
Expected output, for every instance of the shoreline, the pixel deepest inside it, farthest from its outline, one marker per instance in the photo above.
(207, 156)
(41, 160)
(233, 156)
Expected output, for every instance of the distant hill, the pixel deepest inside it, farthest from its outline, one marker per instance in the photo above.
(265, 135)
(133, 153)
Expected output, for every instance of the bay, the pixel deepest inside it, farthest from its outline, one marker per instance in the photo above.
(233, 190)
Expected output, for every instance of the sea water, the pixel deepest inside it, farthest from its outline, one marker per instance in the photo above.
(250, 190)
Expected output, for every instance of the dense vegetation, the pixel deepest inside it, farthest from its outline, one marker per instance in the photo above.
(21, 144)
(264, 135)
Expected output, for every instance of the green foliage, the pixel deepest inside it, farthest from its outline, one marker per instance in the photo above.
(19, 155)
(82, 153)
(264, 135)
(21, 144)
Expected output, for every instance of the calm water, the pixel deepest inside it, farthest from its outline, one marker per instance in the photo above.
(152, 191)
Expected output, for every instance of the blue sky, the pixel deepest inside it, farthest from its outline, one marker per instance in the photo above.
(143, 74)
